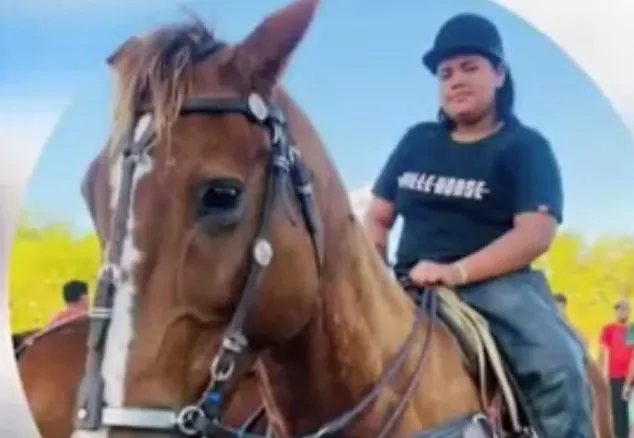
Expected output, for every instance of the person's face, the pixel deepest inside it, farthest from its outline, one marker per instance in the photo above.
(622, 311)
(467, 86)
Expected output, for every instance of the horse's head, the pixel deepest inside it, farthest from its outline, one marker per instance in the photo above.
(213, 220)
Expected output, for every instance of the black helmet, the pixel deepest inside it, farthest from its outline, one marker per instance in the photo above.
(465, 34)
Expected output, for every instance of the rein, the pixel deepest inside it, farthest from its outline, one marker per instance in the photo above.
(427, 306)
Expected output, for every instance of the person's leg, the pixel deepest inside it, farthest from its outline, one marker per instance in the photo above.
(546, 359)
(630, 417)
(615, 398)
(619, 409)
(625, 418)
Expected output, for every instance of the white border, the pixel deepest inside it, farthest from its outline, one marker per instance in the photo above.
(19, 149)
(600, 39)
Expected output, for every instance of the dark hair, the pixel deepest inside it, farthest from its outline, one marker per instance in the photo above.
(74, 290)
(561, 299)
(504, 100)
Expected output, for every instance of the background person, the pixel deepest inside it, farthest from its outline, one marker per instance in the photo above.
(616, 343)
(562, 302)
(75, 295)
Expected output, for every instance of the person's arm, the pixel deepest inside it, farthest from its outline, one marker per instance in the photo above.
(381, 213)
(629, 378)
(602, 357)
(53, 317)
(378, 222)
(538, 209)
(601, 360)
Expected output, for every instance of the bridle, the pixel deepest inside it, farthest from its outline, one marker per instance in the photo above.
(284, 167)
(202, 419)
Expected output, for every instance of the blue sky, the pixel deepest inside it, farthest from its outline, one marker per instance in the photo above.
(357, 74)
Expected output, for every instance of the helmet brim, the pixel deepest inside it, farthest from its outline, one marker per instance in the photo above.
(434, 57)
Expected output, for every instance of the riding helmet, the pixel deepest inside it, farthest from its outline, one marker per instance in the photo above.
(465, 33)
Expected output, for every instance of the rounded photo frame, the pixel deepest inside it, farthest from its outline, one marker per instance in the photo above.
(360, 80)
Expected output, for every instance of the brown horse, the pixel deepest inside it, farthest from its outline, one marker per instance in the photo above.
(51, 365)
(223, 254)
(17, 339)
(51, 362)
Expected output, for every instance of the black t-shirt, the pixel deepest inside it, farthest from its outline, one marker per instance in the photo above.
(456, 198)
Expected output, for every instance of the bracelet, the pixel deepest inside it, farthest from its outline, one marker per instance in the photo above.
(462, 271)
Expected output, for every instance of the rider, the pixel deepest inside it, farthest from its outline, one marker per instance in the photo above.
(481, 197)
(75, 294)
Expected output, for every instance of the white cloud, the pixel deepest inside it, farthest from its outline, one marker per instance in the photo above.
(599, 38)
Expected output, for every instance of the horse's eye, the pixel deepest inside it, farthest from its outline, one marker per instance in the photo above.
(218, 197)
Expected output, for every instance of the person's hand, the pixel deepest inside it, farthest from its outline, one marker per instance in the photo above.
(626, 392)
(427, 273)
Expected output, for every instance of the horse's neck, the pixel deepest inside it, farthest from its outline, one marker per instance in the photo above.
(362, 322)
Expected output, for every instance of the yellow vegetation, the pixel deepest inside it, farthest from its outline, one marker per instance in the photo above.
(44, 256)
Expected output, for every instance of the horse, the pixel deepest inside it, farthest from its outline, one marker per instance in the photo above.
(51, 362)
(17, 339)
(234, 246)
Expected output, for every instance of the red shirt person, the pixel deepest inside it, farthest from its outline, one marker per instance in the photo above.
(75, 294)
(616, 344)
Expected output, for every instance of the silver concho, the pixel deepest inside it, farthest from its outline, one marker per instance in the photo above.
(258, 107)
(263, 252)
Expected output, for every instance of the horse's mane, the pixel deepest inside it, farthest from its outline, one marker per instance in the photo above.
(157, 70)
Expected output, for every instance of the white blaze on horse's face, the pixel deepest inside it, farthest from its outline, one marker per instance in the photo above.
(121, 332)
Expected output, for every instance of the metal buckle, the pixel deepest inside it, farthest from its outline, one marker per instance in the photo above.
(222, 375)
(187, 420)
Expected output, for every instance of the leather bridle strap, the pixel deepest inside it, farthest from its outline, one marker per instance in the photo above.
(284, 167)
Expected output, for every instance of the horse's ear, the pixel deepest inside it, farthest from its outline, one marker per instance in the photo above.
(89, 191)
(122, 50)
(264, 53)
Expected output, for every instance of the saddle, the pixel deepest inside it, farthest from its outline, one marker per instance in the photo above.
(485, 362)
